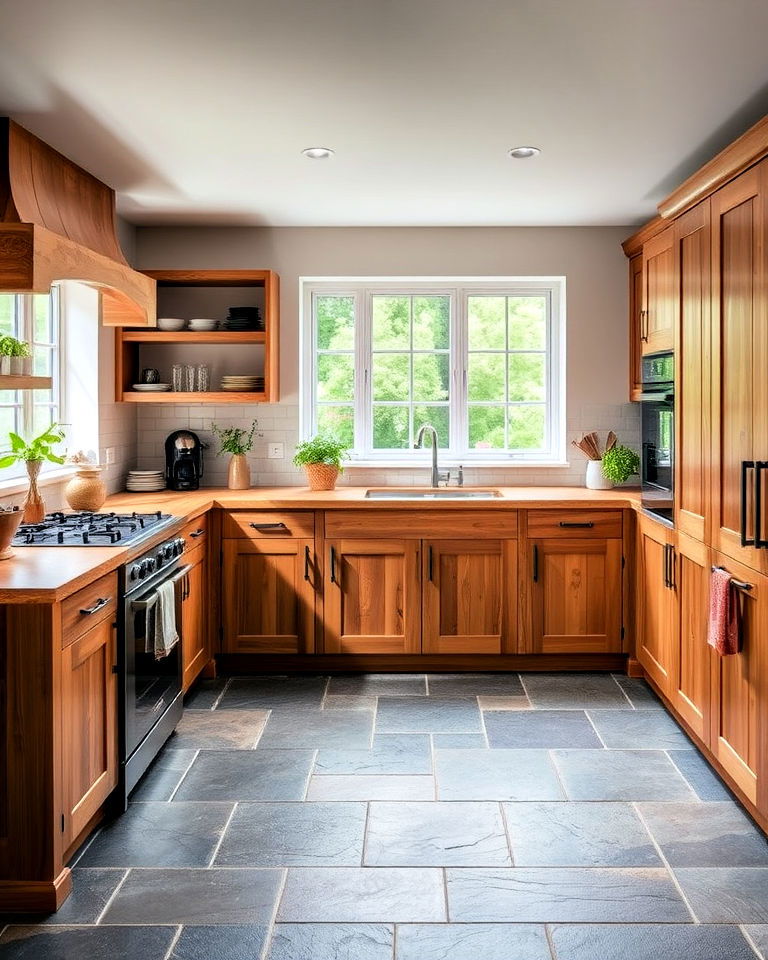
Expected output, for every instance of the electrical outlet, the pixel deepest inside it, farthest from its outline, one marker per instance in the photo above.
(275, 451)
(109, 455)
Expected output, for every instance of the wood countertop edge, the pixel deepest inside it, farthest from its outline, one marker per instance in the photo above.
(187, 506)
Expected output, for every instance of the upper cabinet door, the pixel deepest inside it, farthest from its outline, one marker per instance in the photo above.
(660, 307)
(693, 371)
(739, 365)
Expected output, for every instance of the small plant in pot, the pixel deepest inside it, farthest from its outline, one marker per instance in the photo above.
(34, 454)
(619, 464)
(321, 457)
(238, 442)
(15, 357)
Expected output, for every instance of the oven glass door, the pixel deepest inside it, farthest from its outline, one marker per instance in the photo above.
(151, 684)
(658, 444)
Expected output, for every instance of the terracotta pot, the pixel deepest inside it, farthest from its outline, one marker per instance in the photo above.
(239, 473)
(321, 476)
(9, 524)
(86, 490)
(34, 508)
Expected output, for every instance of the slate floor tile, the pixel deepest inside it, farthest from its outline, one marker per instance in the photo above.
(620, 775)
(573, 691)
(90, 943)
(496, 775)
(294, 834)
(165, 774)
(247, 775)
(705, 782)
(361, 787)
(91, 890)
(392, 753)
(639, 692)
(316, 729)
(160, 835)
(558, 895)
(504, 703)
(578, 835)
(542, 729)
(472, 941)
(331, 941)
(726, 894)
(197, 897)
(236, 942)
(428, 715)
(459, 741)
(649, 941)
(435, 835)
(718, 835)
(205, 694)
(379, 685)
(638, 730)
(475, 685)
(363, 894)
(214, 730)
(268, 693)
(758, 934)
(349, 702)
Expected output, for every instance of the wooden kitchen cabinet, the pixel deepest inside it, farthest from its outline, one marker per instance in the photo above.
(88, 726)
(636, 320)
(268, 595)
(655, 601)
(469, 596)
(659, 313)
(372, 596)
(195, 650)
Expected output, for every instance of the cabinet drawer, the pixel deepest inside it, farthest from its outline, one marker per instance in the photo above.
(86, 608)
(196, 531)
(252, 524)
(574, 523)
(417, 523)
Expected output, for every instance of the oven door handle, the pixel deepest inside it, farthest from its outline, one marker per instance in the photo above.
(149, 603)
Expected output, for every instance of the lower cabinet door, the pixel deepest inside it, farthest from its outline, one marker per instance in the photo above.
(470, 596)
(88, 726)
(740, 692)
(268, 596)
(372, 596)
(194, 619)
(656, 603)
(575, 596)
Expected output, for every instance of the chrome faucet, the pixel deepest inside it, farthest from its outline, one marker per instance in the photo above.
(437, 476)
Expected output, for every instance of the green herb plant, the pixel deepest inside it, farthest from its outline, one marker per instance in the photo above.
(41, 448)
(235, 440)
(619, 464)
(321, 449)
(11, 347)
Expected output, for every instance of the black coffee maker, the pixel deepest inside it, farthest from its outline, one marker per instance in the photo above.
(183, 460)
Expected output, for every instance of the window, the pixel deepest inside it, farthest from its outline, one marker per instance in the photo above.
(35, 319)
(481, 360)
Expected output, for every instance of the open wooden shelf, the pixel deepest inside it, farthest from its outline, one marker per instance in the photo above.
(8, 382)
(192, 396)
(191, 336)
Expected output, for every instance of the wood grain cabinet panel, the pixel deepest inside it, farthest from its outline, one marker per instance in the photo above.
(194, 617)
(470, 596)
(268, 596)
(655, 602)
(372, 596)
(89, 726)
(575, 596)
(660, 303)
(636, 319)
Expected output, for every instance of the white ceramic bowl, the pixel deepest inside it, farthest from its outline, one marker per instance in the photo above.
(171, 323)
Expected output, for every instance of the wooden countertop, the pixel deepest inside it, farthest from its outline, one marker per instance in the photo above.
(48, 574)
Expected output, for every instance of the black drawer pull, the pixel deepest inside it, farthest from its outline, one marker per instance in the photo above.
(333, 565)
(430, 562)
(572, 524)
(269, 526)
(306, 563)
(99, 605)
(197, 533)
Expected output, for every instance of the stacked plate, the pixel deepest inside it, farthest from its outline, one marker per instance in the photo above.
(152, 387)
(244, 318)
(145, 481)
(202, 325)
(243, 384)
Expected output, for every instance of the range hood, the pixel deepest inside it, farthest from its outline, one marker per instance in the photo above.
(57, 222)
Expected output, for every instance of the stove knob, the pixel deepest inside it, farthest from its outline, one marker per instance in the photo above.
(179, 546)
(160, 558)
(135, 572)
(168, 551)
(143, 569)
(150, 564)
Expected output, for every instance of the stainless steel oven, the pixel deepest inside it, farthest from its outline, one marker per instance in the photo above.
(657, 427)
(150, 688)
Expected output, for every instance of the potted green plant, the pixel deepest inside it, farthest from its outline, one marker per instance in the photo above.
(321, 457)
(238, 442)
(15, 357)
(619, 464)
(34, 454)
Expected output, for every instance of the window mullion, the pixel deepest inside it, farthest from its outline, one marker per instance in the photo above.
(459, 321)
(363, 373)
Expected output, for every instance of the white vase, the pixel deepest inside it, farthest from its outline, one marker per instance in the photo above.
(5, 366)
(17, 366)
(596, 479)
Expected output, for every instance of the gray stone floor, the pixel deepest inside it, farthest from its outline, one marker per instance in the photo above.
(483, 817)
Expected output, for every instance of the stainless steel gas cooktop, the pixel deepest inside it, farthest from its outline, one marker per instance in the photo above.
(90, 529)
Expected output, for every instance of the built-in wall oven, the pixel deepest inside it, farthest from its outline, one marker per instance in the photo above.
(150, 687)
(657, 427)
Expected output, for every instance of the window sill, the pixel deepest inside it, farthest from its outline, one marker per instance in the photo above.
(20, 484)
(453, 464)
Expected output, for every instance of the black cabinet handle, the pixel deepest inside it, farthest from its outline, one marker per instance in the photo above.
(429, 564)
(100, 604)
(746, 466)
(333, 566)
(760, 542)
(535, 564)
(587, 524)
(671, 567)
(269, 526)
(197, 533)
(666, 565)
(306, 563)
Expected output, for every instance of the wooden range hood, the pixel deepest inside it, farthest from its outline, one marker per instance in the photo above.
(57, 222)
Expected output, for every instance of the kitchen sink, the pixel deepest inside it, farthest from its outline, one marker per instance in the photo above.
(444, 493)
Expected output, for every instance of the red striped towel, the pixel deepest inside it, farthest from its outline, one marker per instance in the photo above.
(724, 614)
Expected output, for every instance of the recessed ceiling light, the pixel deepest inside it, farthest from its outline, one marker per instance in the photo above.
(318, 153)
(522, 153)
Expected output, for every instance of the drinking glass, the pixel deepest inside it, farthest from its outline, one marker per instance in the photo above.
(177, 377)
(203, 377)
(189, 371)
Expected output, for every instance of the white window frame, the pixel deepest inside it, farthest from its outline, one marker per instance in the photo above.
(362, 289)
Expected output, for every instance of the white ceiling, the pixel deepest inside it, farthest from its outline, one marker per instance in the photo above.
(196, 111)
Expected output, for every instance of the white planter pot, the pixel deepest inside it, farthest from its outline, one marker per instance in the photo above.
(27, 366)
(5, 366)
(596, 479)
(17, 366)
